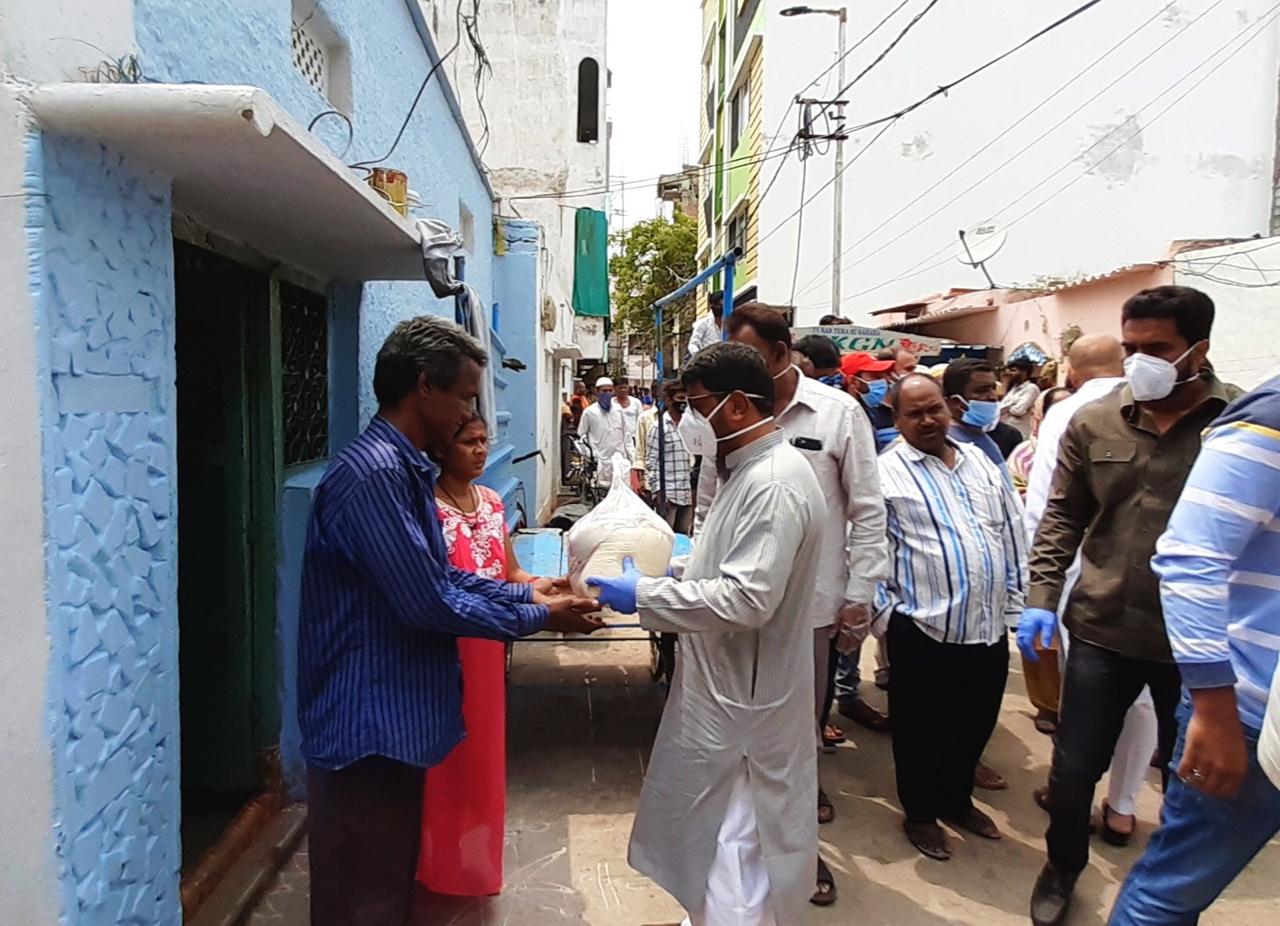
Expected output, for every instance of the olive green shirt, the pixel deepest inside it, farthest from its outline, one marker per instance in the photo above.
(1115, 485)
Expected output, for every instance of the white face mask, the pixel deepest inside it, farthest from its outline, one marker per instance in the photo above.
(706, 419)
(785, 370)
(1153, 378)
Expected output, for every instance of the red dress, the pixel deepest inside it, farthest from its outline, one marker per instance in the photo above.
(464, 809)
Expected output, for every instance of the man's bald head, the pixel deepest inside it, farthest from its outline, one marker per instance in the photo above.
(1094, 356)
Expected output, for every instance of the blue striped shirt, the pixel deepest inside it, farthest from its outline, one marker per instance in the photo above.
(381, 607)
(1219, 559)
(956, 542)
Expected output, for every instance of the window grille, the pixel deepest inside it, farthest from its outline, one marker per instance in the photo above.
(304, 348)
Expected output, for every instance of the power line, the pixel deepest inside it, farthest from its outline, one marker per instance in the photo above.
(889, 121)
(700, 169)
(902, 234)
(1258, 26)
(856, 45)
(416, 97)
(948, 87)
(795, 273)
(891, 46)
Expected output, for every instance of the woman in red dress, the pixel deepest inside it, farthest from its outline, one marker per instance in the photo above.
(464, 811)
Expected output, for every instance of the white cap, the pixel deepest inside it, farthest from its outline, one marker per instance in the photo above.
(603, 381)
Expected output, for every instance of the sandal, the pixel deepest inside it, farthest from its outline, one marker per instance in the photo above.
(825, 895)
(832, 736)
(976, 822)
(826, 809)
(1046, 723)
(1101, 824)
(929, 840)
(988, 779)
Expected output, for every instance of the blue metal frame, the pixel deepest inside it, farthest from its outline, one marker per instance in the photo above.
(727, 264)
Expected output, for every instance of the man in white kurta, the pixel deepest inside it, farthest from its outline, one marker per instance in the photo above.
(726, 821)
(604, 430)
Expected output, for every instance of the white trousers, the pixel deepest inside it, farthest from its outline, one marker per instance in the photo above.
(1132, 758)
(738, 884)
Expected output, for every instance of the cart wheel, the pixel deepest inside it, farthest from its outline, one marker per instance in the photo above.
(662, 657)
(655, 657)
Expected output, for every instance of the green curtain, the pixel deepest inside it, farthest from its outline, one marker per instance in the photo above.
(591, 263)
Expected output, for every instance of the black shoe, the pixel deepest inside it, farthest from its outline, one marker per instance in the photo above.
(1052, 896)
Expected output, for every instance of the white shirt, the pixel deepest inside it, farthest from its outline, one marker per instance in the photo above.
(631, 413)
(1016, 407)
(1052, 428)
(606, 434)
(960, 554)
(705, 333)
(854, 556)
(743, 688)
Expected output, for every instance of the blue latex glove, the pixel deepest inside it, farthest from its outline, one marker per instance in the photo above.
(619, 593)
(1036, 621)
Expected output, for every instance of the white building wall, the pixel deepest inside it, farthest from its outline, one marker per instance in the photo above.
(28, 875)
(1201, 169)
(1241, 279)
(531, 103)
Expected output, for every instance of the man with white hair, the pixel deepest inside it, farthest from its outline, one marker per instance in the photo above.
(604, 430)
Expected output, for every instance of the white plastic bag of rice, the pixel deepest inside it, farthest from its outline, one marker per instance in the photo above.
(621, 526)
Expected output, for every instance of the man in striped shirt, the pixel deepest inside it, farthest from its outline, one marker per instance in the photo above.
(1219, 568)
(958, 556)
(380, 697)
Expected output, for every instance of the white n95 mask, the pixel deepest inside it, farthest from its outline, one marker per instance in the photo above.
(1153, 378)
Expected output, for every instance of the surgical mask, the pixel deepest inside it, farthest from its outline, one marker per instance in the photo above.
(706, 419)
(876, 391)
(980, 414)
(1153, 378)
(605, 400)
(785, 370)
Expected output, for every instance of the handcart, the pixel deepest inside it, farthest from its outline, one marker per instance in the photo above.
(543, 553)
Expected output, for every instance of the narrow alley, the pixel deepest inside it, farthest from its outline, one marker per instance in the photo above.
(581, 720)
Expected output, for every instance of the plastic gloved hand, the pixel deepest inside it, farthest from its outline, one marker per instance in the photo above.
(619, 593)
(1036, 621)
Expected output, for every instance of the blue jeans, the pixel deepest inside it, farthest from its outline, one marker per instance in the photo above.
(848, 678)
(1202, 844)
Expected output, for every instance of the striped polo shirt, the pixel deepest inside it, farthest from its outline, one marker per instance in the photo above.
(1219, 559)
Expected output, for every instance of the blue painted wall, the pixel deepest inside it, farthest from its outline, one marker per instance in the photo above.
(239, 42)
(102, 272)
(516, 290)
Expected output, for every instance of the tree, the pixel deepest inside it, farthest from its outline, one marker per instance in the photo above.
(653, 258)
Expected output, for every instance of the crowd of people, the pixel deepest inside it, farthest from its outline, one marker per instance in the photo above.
(1123, 526)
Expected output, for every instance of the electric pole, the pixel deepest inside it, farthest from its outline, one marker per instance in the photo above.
(837, 237)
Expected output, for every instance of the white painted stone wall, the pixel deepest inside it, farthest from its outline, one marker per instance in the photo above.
(28, 874)
(530, 100)
(1242, 280)
(1202, 169)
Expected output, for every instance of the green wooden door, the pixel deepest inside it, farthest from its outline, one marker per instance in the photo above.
(221, 561)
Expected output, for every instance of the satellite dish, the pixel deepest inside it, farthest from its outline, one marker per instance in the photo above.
(979, 243)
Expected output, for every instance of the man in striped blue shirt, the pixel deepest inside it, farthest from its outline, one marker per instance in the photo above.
(380, 696)
(1219, 568)
(957, 584)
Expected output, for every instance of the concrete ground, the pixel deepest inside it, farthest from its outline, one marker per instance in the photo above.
(581, 721)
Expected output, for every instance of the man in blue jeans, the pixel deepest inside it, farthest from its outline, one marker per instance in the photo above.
(1219, 568)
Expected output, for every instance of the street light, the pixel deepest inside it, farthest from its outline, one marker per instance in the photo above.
(837, 238)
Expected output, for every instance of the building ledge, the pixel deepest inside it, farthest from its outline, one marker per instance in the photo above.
(244, 168)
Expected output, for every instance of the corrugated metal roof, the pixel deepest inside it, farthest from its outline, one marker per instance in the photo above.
(1088, 279)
